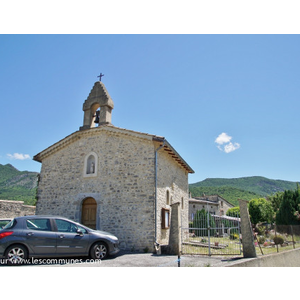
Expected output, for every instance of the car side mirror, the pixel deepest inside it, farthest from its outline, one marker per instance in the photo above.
(79, 232)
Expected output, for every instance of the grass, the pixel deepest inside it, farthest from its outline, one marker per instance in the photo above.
(218, 246)
(226, 246)
(272, 249)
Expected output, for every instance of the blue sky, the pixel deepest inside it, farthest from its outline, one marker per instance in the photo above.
(229, 104)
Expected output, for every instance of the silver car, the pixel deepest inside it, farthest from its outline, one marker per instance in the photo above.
(53, 236)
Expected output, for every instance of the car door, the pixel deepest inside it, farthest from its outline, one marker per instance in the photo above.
(69, 241)
(40, 237)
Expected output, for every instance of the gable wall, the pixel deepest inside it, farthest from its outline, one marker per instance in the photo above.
(123, 188)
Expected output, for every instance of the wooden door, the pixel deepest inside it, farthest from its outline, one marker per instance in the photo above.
(89, 212)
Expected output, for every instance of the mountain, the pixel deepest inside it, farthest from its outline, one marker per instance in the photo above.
(246, 188)
(17, 185)
(21, 185)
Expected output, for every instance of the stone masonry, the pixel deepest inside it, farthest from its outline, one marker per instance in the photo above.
(121, 171)
(247, 232)
(10, 209)
(123, 188)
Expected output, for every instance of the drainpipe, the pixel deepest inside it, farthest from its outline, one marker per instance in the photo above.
(156, 151)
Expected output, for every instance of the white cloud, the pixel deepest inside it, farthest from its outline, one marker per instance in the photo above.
(231, 147)
(223, 138)
(19, 156)
(225, 144)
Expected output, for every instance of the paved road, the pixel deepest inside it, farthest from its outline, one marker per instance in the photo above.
(126, 259)
(148, 260)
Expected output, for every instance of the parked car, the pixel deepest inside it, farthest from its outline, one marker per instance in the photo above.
(53, 236)
(3, 222)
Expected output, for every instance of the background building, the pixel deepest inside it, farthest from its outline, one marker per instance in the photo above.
(215, 204)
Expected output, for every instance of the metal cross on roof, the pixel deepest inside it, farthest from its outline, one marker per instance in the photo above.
(100, 76)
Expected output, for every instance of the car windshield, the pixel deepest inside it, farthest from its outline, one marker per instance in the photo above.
(10, 225)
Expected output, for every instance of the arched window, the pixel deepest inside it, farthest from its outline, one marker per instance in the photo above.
(90, 165)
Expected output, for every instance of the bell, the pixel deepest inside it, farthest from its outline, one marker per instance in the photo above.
(97, 116)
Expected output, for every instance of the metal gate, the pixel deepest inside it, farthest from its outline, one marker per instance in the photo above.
(210, 234)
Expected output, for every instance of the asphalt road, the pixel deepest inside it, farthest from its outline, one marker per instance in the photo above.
(144, 260)
(129, 259)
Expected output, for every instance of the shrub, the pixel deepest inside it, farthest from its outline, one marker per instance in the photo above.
(261, 239)
(261, 229)
(234, 236)
(278, 240)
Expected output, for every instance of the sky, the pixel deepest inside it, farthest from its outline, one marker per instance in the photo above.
(229, 104)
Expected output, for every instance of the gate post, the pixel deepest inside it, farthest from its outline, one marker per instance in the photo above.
(247, 233)
(175, 230)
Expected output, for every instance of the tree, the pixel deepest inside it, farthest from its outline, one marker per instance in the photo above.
(276, 200)
(288, 211)
(233, 212)
(260, 210)
(202, 220)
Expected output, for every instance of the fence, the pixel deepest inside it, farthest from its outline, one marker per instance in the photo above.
(276, 238)
(209, 234)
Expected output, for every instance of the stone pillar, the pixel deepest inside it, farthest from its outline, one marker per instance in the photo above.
(175, 230)
(247, 232)
(105, 115)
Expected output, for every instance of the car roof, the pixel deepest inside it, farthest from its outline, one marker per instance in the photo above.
(39, 217)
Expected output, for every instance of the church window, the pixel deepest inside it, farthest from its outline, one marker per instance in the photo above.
(165, 224)
(90, 165)
(168, 197)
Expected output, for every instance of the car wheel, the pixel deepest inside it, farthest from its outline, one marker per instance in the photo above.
(16, 254)
(99, 251)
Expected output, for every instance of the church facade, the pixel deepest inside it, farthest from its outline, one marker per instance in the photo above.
(114, 179)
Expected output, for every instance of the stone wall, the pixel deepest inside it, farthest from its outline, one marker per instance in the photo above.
(11, 209)
(123, 186)
(290, 258)
(174, 179)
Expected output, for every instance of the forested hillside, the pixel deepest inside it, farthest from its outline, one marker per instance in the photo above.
(246, 188)
(17, 185)
(21, 185)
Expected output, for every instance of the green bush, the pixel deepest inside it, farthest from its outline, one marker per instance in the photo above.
(278, 240)
(201, 221)
(261, 240)
(261, 229)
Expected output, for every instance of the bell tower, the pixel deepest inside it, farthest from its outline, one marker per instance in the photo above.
(97, 99)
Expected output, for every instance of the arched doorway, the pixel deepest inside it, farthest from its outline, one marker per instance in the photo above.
(89, 212)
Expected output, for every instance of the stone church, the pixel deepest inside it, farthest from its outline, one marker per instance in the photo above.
(113, 179)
